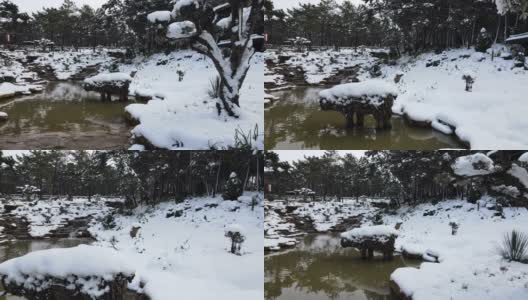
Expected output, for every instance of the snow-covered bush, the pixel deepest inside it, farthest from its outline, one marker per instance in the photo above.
(233, 188)
(469, 77)
(236, 235)
(515, 246)
(108, 222)
(484, 41)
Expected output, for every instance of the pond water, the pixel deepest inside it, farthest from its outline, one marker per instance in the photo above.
(64, 116)
(12, 249)
(319, 268)
(296, 121)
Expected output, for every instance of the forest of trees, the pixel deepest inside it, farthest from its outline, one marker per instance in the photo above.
(405, 176)
(404, 25)
(118, 23)
(141, 177)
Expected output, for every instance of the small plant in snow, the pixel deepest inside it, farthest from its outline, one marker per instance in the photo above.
(108, 222)
(515, 246)
(180, 75)
(236, 235)
(454, 227)
(215, 87)
(469, 77)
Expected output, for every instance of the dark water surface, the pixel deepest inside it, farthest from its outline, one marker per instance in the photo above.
(64, 116)
(295, 121)
(319, 269)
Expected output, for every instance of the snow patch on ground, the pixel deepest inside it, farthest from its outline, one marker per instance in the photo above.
(471, 266)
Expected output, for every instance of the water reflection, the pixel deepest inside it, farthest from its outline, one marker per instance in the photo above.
(319, 268)
(64, 116)
(296, 122)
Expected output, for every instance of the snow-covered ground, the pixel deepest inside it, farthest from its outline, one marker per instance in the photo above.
(187, 117)
(470, 266)
(45, 216)
(432, 91)
(179, 250)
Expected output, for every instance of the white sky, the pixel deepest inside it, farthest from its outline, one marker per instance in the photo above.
(294, 155)
(35, 5)
(284, 4)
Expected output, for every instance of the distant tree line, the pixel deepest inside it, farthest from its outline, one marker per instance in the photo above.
(404, 25)
(117, 23)
(405, 176)
(140, 177)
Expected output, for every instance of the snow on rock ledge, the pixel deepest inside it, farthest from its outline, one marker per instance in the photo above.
(372, 91)
(473, 165)
(87, 269)
(118, 79)
(381, 232)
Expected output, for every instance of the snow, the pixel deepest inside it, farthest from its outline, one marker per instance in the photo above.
(492, 116)
(372, 90)
(473, 165)
(520, 173)
(114, 78)
(159, 16)
(378, 231)
(470, 266)
(188, 115)
(235, 228)
(180, 30)
(46, 216)
(96, 263)
(524, 157)
(3, 116)
(182, 255)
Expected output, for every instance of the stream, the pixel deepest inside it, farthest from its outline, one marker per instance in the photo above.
(319, 269)
(296, 121)
(64, 116)
(13, 249)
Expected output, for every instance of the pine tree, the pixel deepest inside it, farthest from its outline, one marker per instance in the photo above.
(233, 188)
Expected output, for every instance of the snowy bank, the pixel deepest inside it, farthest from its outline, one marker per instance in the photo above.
(470, 266)
(85, 269)
(187, 118)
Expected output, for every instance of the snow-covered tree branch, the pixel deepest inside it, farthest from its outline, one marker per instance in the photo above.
(229, 33)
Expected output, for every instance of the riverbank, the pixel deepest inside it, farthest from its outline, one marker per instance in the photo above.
(431, 88)
(287, 220)
(178, 248)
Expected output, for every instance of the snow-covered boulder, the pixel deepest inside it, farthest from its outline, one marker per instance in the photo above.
(95, 272)
(375, 97)
(109, 84)
(3, 116)
(473, 165)
(367, 239)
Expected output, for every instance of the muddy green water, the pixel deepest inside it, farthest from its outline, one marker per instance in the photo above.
(295, 121)
(64, 116)
(12, 249)
(319, 269)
